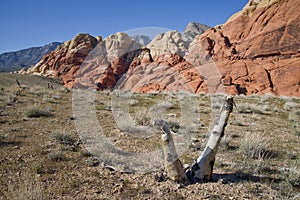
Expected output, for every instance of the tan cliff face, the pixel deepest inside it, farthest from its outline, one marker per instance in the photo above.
(255, 52)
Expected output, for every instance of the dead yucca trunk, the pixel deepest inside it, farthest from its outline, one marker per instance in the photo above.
(202, 169)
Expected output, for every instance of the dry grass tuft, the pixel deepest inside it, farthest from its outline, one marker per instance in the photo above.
(256, 145)
(28, 187)
(292, 176)
(56, 156)
(62, 138)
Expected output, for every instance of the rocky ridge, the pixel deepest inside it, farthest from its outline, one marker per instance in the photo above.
(255, 52)
(192, 30)
(142, 39)
(25, 58)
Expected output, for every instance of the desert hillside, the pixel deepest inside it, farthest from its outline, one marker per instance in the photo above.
(44, 154)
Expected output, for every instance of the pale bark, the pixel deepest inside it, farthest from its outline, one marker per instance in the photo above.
(202, 169)
(173, 165)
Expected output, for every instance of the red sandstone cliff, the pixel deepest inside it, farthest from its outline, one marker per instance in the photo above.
(256, 51)
(258, 48)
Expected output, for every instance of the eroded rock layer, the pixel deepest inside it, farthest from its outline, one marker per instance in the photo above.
(257, 51)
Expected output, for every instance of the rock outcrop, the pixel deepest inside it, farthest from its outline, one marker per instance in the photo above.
(86, 58)
(170, 41)
(66, 60)
(259, 47)
(257, 51)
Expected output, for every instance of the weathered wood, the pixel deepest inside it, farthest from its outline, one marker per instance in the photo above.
(173, 165)
(18, 83)
(202, 169)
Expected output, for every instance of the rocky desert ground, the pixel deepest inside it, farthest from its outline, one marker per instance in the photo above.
(43, 155)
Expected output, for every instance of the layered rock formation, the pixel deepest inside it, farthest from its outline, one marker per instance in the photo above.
(85, 58)
(255, 52)
(258, 48)
(169, 42)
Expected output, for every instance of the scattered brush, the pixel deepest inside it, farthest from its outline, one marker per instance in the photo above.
(251, 108)
(142, 117)
(56, 156)
(62, 138)
(225, 142)
(37, 112)
(27, 187)
(2, 137)
(92, 162)
(256, 145)
(292, 176)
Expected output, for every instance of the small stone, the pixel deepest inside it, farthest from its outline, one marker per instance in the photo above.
(72, 118)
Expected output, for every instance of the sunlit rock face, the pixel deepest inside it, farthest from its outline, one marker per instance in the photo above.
(255, 52)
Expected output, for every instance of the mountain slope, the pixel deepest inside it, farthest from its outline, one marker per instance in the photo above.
(12, 61)
(142, 39)
(255, 52)
(192, 30)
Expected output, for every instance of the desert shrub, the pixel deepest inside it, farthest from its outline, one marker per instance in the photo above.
(237, 123)
(255, 145)
(225, 142)
(37, 112)
(133, 102)
(297, 113)
(250, 108)
(92, 162)
(37, 167)
(290, 105)
(294, 115)
(142, 117)
(163, 105)
(86, 153)
(62, 138)
(2, 137)
(56, 156)
(292, 176)
(27, 187)
(297, 133)
(70, 148)
(65, 90)
(12, 99)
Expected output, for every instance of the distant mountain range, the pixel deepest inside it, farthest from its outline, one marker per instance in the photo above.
(25, 58)
(142, 39)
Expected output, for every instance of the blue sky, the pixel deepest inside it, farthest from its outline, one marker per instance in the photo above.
(31, 23)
